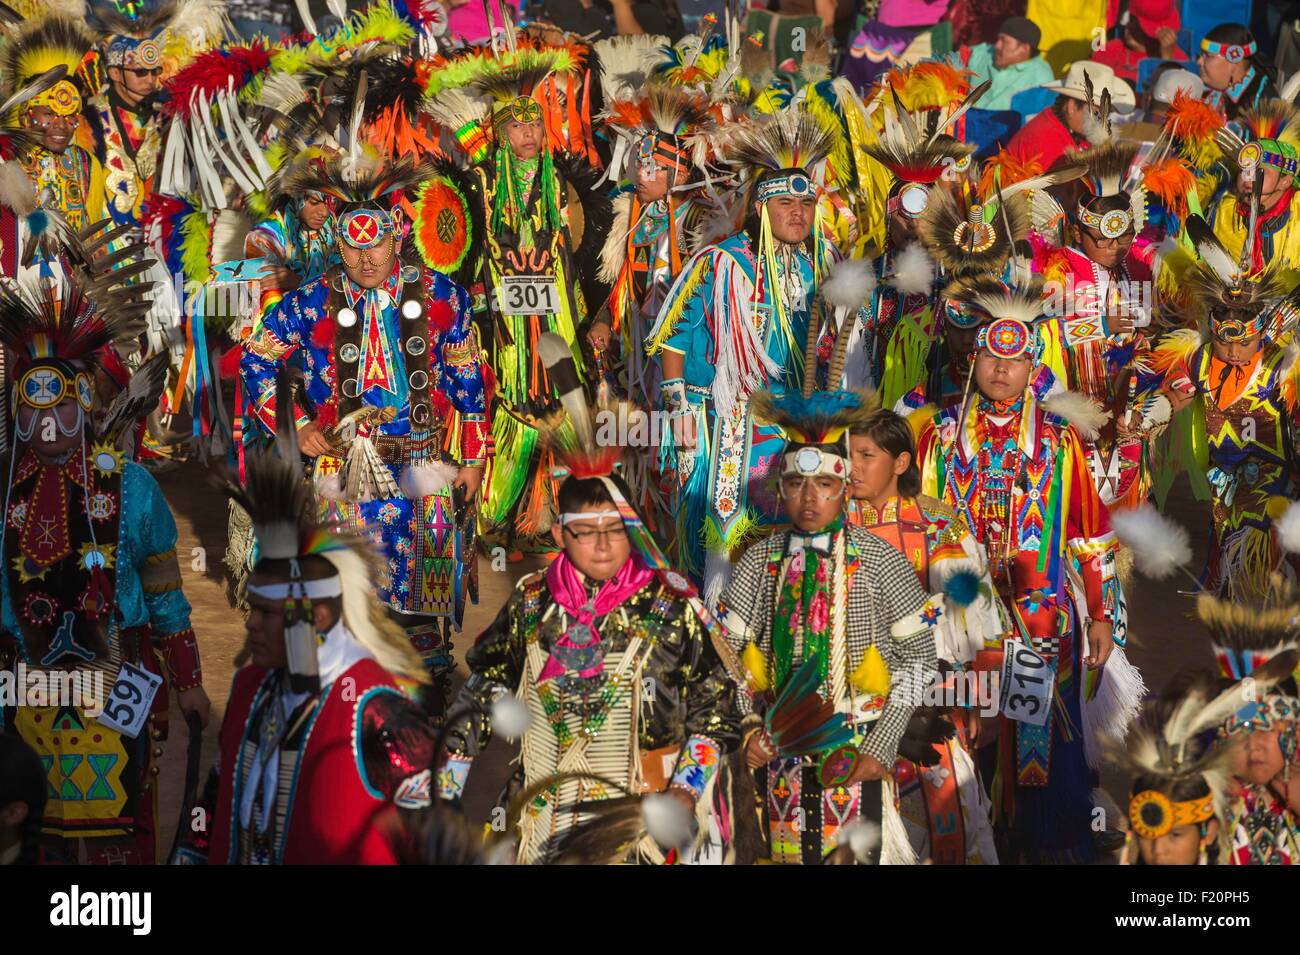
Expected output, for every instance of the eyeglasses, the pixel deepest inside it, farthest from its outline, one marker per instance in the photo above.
(141, 71)
(608, 534)
(823, 489)
(1103, 242)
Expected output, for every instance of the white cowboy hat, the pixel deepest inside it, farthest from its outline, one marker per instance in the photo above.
(1103, 78)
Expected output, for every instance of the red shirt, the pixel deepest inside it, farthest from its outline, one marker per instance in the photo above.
(1046, 137)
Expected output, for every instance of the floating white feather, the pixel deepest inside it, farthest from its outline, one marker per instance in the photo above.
(510, 717)
(1288, 528)
(1160, 546)
(849, 284)
(1078, 410)
(913, 270)
(666, 820)
(427, 478)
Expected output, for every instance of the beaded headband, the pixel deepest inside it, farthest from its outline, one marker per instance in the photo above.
(1232, 52)
(1270, 152)
(365, 228)
(815, 462)
(795, 183)
(1153, 814)
(522, 109)
(1112, 224)
(63, 99)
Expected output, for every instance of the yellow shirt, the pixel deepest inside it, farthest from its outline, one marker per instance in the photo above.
(1230, 228)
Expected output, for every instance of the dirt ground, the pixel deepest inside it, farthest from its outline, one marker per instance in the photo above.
(1162, 639)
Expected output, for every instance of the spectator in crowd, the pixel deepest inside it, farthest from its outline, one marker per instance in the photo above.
(1150, 32)
(1011, 62)
(878, 45)
(267, 18)
(605, 18)
(467, 19)
(978, 21)
(1235, 74)
(1059, 128)
(1165, 81)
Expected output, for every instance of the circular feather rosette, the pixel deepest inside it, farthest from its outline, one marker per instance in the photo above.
(442, 225)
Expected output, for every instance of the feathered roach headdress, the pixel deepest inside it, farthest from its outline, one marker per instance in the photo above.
(1168, 753)
(1271, 138)
(1258, 637)
(921, 105)
(37, 47)
(781, 153)
(54, 332)
(365, 187)
(278, 499)
(817, 422)
(1236, 303)
(656, 127)
(1191, 131)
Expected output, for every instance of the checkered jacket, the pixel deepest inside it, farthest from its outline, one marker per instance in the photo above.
(885, 608)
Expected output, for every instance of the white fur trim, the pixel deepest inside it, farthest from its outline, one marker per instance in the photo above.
(330, 487)
(1288, 528)
(896, 847)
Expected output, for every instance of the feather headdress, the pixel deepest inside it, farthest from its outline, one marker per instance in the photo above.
(790, 139)
(1235, 302)
(1181, 778)
(1109, 172)
(970, 233)
(39, 46)
(922, 104)
(627, 63)
(822, 418)
(363, 176)
(1247, 634)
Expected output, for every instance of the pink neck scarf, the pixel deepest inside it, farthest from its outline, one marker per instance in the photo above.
(567, 586)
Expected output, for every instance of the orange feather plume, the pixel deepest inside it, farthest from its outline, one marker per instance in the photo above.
(1008, 168)
(1191, 118)
(1170, 181)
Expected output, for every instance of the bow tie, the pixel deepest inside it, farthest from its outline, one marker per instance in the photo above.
(821, 543)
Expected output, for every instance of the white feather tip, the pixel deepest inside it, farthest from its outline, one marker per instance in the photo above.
(913, 270)
(1160, 546)
(510, 718)
(850, 283)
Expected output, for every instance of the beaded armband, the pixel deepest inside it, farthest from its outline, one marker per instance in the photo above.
(696, 765)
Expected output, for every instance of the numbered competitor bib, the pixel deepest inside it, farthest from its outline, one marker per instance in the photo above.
(529, 295)
(129, 701)
(1027, 680)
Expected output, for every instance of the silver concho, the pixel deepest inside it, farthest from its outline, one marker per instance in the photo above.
(808, 460)
(351, 387)
(419, 380)
(420, 414)
(349, 352)
(415, 346)
(346, 318)
(410, 273)
(412, 309)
